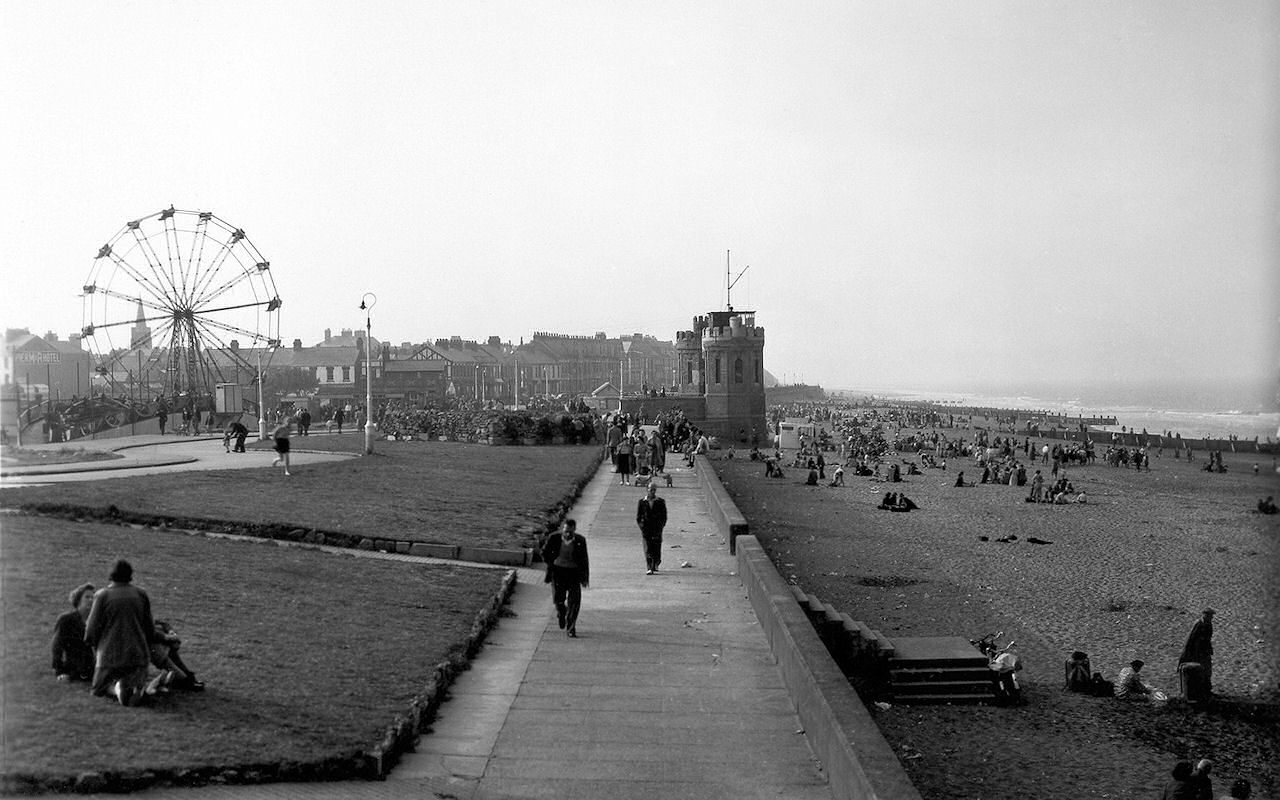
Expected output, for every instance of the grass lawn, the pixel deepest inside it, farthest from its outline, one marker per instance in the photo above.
(438, 492)
(306, 655)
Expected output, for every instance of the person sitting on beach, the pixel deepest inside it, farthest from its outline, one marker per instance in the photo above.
(837, 477)
(812, 480)
(890, 500)
(912, 469)
(895, 474)
(986, 475)
(1130, 686)
(960, 480)
(1267, 506)
(904, 503)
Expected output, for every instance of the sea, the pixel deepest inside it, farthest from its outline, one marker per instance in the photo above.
(1195, 424)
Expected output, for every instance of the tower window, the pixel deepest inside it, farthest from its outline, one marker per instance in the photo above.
(759, 371)
(717, 369)
(737, 370)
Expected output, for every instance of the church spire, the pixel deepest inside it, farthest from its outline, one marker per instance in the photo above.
(141, 334)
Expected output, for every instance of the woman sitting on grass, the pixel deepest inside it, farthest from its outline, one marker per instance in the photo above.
(73, 660)
(164, 656)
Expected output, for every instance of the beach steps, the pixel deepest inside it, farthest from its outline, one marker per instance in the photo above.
(938, 669)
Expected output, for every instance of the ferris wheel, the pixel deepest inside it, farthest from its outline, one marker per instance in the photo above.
(185, 290)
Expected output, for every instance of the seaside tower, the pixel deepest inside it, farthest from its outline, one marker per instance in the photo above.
(691, 370)
(733, 355)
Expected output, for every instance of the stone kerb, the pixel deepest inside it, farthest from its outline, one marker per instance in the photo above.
(724, 512)
(860, 763)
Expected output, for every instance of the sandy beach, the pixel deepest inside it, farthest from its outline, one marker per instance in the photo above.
(1125, 576)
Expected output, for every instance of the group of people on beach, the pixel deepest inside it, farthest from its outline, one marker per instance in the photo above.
(1188, 782)
(110, 640)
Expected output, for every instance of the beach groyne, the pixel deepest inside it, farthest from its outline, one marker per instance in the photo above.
(1155, 440)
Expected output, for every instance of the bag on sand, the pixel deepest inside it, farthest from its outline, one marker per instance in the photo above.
(1101, 687)
(1078, 675)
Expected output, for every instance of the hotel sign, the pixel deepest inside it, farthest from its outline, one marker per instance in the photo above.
(38, 357)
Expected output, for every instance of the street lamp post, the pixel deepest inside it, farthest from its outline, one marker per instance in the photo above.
(626, 349)
(366, 304)
(262, 408)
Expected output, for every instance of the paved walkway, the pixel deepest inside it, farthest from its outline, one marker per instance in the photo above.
(152, 453)
(669, 690)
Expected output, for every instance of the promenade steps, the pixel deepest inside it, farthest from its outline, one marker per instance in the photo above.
(917, 670)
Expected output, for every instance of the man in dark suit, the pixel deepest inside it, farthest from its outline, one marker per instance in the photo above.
(568, 570)
(651, 516)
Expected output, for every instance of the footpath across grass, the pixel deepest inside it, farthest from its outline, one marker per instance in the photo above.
(438, 492)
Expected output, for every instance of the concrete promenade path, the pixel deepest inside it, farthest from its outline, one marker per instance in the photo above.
(669, 691)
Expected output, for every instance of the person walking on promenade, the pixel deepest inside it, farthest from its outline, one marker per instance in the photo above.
(622, 461)
(120, 631)
(72, 658)
(339, 417)
(651, 516)
(281, 436)
(568, 570)
(162, 419)
(1199, 647)
(304, 422)
(614, 439)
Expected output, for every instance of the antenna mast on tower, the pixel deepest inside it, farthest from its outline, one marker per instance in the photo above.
(730, 282)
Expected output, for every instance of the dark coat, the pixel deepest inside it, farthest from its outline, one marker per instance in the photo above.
(1199, 646)
(652, 518)
(71, 656)
(551, 550)
(120, 629)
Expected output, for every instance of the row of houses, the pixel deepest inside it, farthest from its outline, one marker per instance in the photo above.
(332, 371)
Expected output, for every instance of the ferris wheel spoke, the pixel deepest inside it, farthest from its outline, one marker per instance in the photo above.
(157, 291)
(128, 298)
(225, 327)
(158, 270)
(232, 282)
(215, 265)
(196, 256)
(212, 367)
(224, 347)
(172, 245)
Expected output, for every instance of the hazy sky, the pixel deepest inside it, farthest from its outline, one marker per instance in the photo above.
(926, 193)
